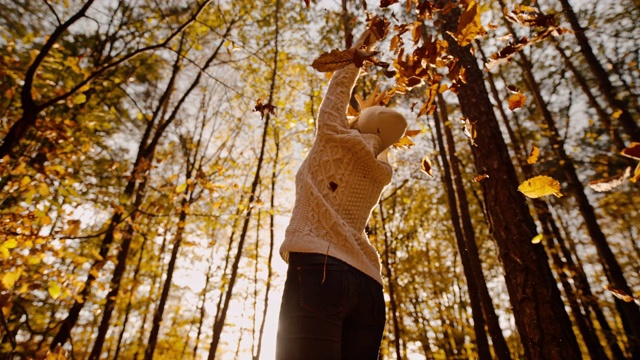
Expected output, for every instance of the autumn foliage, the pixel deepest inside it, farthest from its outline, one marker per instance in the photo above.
(148, 150)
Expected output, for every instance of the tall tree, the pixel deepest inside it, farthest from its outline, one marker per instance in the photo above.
(538, 308)
(629, 124)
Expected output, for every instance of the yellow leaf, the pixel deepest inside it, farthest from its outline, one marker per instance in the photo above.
(536, 239)
(616, 114)
(45, 220)
(80, 99)
(43, 189)
(54, 289)
(25, 181)
(9, 279)
(404, 142)
(539, 186)
(533, 155)
(469, 25)
(636, 174)
(10, 244)
(181, 188)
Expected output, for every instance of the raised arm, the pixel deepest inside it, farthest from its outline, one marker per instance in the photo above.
(332, 116)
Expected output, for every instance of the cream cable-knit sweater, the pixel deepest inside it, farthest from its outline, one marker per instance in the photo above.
(338, 185)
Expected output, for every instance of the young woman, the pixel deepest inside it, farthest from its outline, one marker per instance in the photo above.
(333, 305)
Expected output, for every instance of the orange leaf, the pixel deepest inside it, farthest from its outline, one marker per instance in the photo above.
(533, 155)
(516, 101)
(469, 25)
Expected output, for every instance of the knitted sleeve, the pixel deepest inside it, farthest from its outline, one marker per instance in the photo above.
(332, 116)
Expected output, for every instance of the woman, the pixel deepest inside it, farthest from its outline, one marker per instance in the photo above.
(333, 305)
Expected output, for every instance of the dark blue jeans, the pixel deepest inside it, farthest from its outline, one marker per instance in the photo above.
(330, 310)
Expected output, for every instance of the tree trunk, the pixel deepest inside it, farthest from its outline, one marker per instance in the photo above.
(272, 236)
(500, 347)
(132, 290)
(629, 311)
(390, 285)
(539, 312)
(606, 87)
(157, 316)
(482, 344)
(220, 319)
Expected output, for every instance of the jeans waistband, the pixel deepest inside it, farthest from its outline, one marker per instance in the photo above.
(296, 258)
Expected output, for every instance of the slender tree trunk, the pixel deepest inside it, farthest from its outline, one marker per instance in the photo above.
(482, 344)
(220, 320)
(539, 312)
(500, 347)
(132, 290)
(157, 316)
(130, 190)
(390, 285)
(605, 119)
(272, 208)
(550, 232)
(629, 311)
(202, 310)
(604, 83)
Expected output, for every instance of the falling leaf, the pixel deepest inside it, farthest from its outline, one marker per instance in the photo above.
(181, 188)
(9, 279)
(480, 177)
(80, 99)
(404, 142)
(619, 293)
(611, 182)
(54, 289)
(469, 25)
(636, 174)
(338, 59)
(387, 3)
(632, 151)
(516, 101)
(534, 154)
(307, 2)
(539, 186)
(43, 189)
(616, 114)
(469, 129)
(264, 108)
(536, 239)
(425, 166)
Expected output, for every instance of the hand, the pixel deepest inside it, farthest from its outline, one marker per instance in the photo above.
(374, 99)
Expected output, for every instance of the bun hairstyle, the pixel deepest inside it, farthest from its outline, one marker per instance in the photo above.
(387, 124)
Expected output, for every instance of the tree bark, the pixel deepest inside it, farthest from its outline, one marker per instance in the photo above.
(390, 285)
(539, 312)
(500, 347)
(482, 344)
(604, 83)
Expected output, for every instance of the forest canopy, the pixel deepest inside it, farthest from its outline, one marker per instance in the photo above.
(148, 152)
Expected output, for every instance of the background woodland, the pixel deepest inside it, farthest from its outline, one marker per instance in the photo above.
(149, 148)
